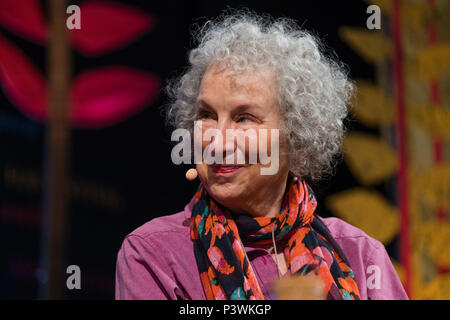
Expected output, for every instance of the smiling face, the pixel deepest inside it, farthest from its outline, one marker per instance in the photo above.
(242, 101)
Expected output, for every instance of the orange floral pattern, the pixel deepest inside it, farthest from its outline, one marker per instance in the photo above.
(224, 269)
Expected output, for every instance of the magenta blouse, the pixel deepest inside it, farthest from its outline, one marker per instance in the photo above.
(156, 261)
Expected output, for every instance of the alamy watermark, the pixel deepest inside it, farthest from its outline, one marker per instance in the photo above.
(374, 20)
(74, 20)
(236, 145)
(373, 277)
(74, 279)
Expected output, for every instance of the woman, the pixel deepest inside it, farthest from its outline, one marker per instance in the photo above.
(243, 229)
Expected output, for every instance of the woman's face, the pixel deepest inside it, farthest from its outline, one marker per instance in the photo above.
(241, 101)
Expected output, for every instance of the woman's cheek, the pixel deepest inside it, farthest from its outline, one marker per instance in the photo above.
(202, 170)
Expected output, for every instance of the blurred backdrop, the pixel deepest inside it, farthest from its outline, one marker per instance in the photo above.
(85, 154)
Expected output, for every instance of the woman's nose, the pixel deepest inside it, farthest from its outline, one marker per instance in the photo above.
(223, 126)
(222, 144)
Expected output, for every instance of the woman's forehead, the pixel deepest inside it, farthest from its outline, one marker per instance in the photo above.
(257, 81)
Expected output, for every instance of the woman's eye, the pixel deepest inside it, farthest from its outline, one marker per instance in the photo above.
(242, 119)
(204, 115)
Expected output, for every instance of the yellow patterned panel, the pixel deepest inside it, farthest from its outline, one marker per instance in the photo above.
(438, 289)
(384, 5)
(371, 45)
(433, 62)
(367, 210)
(436, 120)
(435, 186)
(434, 236)
(373, 108)
(416, 15)
(370, 159)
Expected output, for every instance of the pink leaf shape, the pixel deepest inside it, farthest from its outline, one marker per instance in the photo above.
(23, 83)
(25, 18)
(107, 26)
(103, 97)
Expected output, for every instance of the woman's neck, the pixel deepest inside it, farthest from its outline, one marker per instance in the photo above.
(267, 202)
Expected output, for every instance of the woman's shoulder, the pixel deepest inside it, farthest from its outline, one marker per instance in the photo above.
(168, 226)
(154, 258)
(344, 232)
(360, 249)
(370, 262)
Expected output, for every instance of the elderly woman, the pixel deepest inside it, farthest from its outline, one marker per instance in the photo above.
(243, 229)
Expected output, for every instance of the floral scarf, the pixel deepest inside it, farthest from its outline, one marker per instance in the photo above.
(224, 269)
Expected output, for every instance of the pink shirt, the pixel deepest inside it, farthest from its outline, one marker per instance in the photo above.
(156, 261)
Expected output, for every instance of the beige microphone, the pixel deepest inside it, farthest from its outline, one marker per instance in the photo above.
(191, 174)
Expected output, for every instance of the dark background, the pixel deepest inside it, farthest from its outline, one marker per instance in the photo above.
(131, 160)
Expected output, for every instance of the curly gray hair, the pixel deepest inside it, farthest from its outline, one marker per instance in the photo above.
(312, 89)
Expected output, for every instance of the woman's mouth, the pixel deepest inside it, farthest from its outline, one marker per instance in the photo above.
(225, 169)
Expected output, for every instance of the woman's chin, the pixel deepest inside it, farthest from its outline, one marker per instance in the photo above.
(226, 193)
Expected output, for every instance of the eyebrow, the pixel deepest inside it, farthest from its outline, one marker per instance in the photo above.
(203, 104)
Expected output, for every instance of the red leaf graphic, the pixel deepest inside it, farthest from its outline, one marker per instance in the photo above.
(23, 83)
(106, 96)
(25, 18)
(107, 26)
